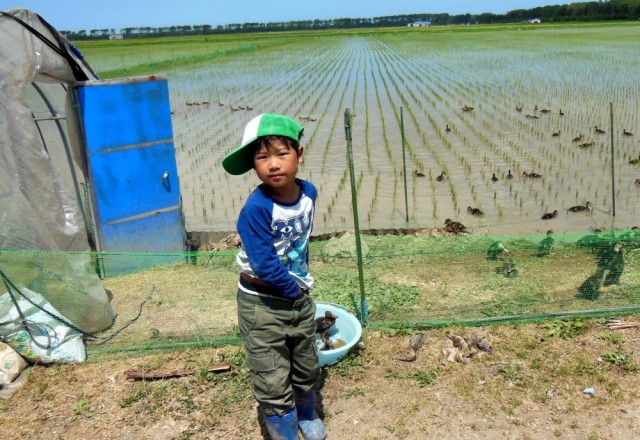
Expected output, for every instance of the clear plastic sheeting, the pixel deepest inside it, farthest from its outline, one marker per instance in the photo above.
(40, 201)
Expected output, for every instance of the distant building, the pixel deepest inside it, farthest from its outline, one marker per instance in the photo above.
(419, 24)
(115, 37)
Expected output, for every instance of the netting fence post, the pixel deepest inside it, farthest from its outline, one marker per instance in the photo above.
(404, 169)
(613, 171)
(356, 222)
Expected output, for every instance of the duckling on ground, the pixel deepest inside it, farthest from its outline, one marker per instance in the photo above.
(508, 269)
(545, 246)
(610, 265)
(415, 343)
(616, 266)
(496, 248)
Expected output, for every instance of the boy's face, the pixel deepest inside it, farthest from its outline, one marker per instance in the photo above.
(276, 164)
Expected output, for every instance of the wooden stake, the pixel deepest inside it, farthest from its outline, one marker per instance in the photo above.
(141, 375)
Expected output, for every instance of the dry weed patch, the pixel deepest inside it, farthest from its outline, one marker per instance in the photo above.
(531, 387)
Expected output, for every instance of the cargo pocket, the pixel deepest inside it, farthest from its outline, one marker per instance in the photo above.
(261, 362)
(270, 380)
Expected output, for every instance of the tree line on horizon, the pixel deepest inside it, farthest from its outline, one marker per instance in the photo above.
(602, 10)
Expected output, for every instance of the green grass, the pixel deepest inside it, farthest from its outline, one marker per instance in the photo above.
(138, 56)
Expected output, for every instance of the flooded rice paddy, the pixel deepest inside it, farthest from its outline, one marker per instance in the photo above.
(474, 104)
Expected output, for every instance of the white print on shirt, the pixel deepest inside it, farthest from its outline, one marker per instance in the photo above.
(292, 235)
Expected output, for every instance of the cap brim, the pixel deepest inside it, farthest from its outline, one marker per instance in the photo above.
(237, 162)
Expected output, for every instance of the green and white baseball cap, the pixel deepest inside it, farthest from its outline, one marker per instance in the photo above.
(237, 162)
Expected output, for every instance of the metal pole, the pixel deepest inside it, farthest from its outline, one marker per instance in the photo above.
(364, 311)
(404, 170)
(613, 171)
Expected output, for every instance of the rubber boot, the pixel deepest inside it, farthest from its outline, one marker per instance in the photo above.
(283, 427)
(308, 421)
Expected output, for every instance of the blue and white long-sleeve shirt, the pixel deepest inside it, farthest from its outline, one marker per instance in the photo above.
(275, 239)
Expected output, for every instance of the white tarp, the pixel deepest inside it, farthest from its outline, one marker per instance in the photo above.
(39, 210)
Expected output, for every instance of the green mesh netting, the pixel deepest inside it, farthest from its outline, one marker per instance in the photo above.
(409, 281)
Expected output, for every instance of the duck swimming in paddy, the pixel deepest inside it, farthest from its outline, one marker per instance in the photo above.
(531, 175)
(494, 178)
(454, 227)
(440, 178)
(509, 175)
(418, 173)
(550, 215)
(626, 133)
(475, 211)
(599, 130)
(581, 208)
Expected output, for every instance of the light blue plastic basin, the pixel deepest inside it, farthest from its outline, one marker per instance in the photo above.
(347, 327)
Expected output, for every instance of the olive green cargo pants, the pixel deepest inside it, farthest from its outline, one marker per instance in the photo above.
(279, 337)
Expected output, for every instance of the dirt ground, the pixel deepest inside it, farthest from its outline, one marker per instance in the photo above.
(530, 387)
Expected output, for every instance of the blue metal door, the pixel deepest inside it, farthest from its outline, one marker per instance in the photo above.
(130, 156)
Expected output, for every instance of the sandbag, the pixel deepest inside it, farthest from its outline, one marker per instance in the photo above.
(11, 364)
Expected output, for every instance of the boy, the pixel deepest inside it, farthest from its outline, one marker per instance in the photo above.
(275, 311)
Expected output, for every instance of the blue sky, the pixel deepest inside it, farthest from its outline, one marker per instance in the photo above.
(117, 14)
